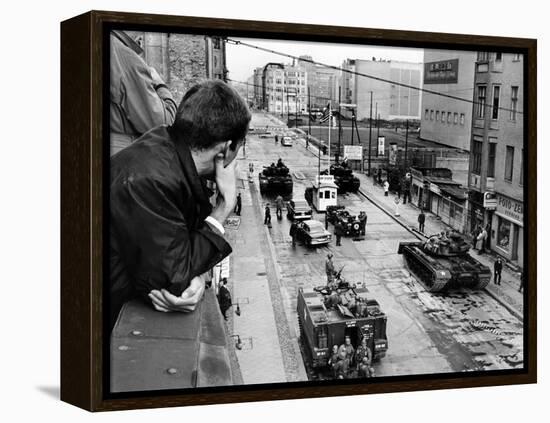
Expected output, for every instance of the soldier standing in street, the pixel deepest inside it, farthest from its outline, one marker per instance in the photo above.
(386, 187)
(498, 271)
(338, 233)
(329, 269)
(347, 349)
(421, 220)
(363, 222)
(293, 234)
(279, 207)
(267, 218)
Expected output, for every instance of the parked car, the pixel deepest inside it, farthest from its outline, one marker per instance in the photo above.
(266, 135)
(286, 141)
(298, 210)
(312, 233)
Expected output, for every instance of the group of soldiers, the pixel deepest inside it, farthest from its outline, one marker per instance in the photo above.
(446, 242)
(347, 362)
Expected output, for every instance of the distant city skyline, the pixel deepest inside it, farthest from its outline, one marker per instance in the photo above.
(242, 60)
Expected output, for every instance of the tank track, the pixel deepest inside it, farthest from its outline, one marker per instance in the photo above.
(425, 276)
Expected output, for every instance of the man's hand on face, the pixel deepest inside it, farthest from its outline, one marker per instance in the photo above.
(226, 181)
(189, 299)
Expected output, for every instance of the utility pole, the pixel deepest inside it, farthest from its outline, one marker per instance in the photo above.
(296, 108)
(308, 115)
(370, 131)
(406, 145)
(339, 124)
(377, 134)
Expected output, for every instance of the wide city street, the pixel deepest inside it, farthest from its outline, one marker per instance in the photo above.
(427, 333)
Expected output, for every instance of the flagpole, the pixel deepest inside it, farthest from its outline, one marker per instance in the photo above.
(329, 125)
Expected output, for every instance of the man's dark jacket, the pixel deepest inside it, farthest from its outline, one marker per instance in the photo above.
(158, 205)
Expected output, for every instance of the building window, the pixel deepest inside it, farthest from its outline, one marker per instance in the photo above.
(476, 157)
(462, 118)
(498, 57)
(481, 97)
(514, 105)
(437, 116)
(482, 56)
(455, 118)
(509, 164)
(517, 57)
(521, 170)
(426, 114)
(449, 117)
(443, 116)
(431, 115)
(492, 158)
(503, 233)
(496, 101)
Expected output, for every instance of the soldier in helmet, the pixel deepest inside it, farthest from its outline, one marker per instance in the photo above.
(347, 351)
(329, 269)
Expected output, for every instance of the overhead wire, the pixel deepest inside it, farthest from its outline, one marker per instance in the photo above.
(376, 78)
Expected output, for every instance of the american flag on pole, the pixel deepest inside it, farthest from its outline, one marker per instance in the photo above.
(326, 114)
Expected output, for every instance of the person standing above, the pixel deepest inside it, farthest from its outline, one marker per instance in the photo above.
(164, 232)
(421, 221)
(139, 98)
(386, 187)
(238, 205)
(498, 270)
(279, 207)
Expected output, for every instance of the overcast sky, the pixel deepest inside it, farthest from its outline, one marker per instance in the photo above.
(242, 60)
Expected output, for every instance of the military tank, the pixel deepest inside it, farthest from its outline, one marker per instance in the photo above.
(343, 177)
(326, 316)
(276, 179)
(442, 263)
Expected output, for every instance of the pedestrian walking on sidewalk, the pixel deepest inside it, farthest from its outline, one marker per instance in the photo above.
(276, 138)
(482, 237)
(386, 187)
(398, 189)
(224, 298)
(498, 270)
(267, 218)
(475, 234)
(421, 220)
(238, 205)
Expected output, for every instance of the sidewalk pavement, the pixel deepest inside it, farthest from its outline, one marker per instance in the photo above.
(506, 294)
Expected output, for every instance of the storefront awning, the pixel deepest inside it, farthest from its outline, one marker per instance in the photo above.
(454, 191)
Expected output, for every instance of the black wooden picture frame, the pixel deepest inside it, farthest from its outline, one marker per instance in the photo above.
(83, 217)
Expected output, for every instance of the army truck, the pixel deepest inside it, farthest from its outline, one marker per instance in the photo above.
(326, 317)
(276, 179)
(442, 262)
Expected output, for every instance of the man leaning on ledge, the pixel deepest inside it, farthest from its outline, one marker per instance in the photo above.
(164, 232)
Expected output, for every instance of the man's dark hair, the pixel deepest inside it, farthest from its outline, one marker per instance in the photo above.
(209, 113)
